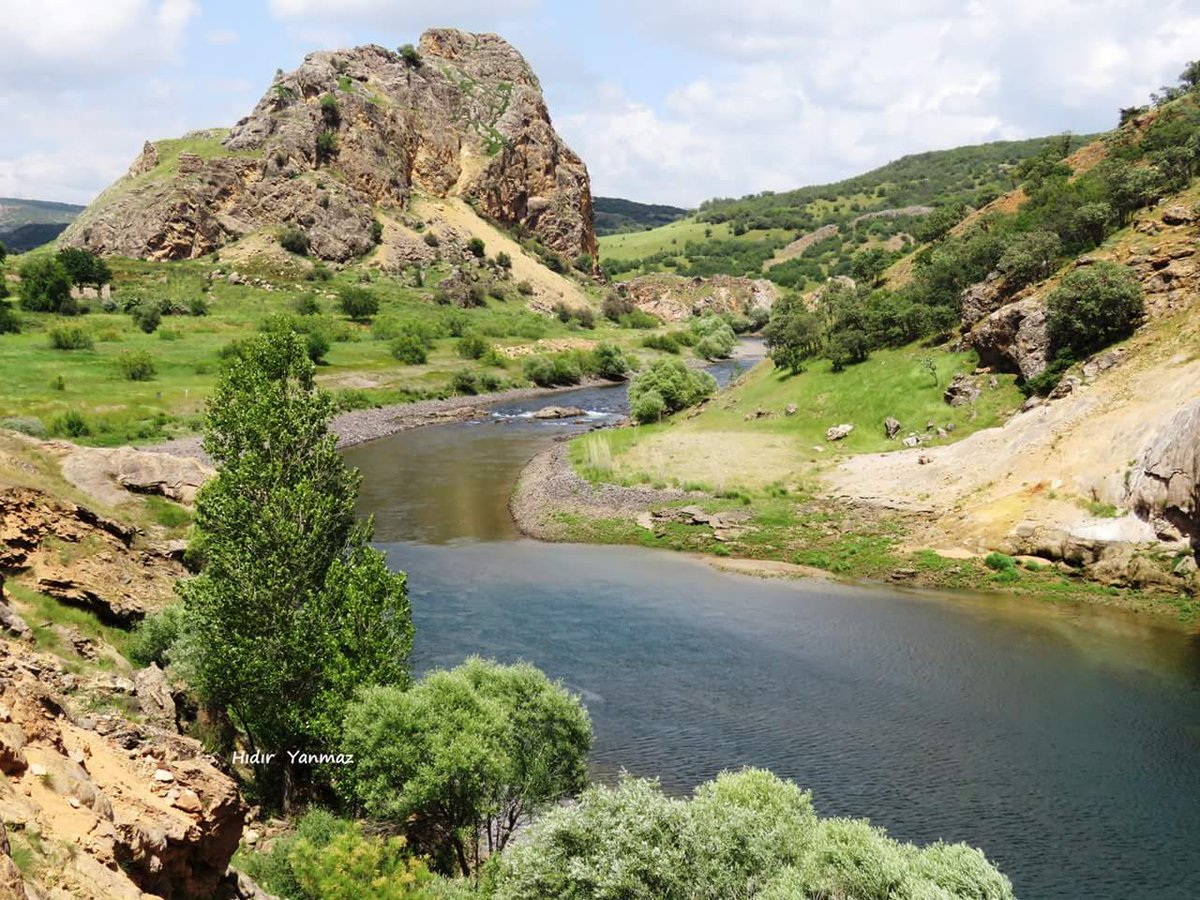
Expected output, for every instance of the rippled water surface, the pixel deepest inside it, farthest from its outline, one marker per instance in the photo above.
(1065, 743)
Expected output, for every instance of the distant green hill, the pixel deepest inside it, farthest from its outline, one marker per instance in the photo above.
(25, 224)
(972, 175)
(617, 216)
(880, 210)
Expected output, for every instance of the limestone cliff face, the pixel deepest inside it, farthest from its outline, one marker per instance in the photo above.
(345, 132)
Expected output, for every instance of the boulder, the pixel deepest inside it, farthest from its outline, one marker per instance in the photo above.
(1014, 338)
(838, 432)
(154, 696)
(1178, 215)
(891, 427)
(558, 412)
(981, 300)
(962, 390)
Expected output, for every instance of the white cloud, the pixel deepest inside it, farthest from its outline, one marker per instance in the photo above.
(222, 37)
(799, 93)
(418, 14)
(57, 37)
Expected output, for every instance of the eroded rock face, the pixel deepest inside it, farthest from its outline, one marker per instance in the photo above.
(82, 558)
(468, 119)
(1166, 480)
(91, 784)
(674, 298)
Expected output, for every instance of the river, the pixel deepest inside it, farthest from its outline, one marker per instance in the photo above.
(1063, 741)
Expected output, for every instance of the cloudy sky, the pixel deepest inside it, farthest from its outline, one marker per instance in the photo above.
(667, 101)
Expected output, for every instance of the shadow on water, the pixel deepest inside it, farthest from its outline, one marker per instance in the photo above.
(1063, 741)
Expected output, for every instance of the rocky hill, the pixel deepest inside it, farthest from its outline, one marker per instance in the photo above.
(350, 133)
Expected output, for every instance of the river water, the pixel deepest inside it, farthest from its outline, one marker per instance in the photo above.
(1064, 742)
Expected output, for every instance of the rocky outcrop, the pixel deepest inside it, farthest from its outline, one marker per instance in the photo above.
(111, 473)
(73, 554)
(1014, 338)
(674, 298)
(144, 811)
(347, 131)
(1164, 488)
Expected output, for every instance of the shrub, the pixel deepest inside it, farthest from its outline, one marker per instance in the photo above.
(476, 247)
(319, 272)
(431, 239)
(306, 305)
(610, 362)
(359, 304)
(409, 54)
(999, 562)
(10, 322)
(553, 371)
(30, 425)
(198, 306)
(638, 319)
(1028, 257)
(503, 260)
(584, 262)
(1048, 380)
(409, 349)
(648, 407)
(154, 636)
(475, 752)
(377, 232)
(585, 316)
(663, 342)
(677, 385)
(1093, 306)
(614, 306)
(465, 381)
(471, 346)
(327, 146)
(744, 834)
(147, 316)
(330, 112)
(70, 337)
(317, 345)
(525, 288)
(717, 339)
(294, 239)
(136, 365)
(70, 424)
(46, 286)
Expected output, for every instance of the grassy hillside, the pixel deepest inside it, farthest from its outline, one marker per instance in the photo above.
(799, 238)
(84, 394)
(25, 224)
(616, 216)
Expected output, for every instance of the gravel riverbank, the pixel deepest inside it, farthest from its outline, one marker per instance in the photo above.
(549, 485)
(362, 425)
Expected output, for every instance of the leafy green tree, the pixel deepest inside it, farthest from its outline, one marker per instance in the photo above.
(409, 349)
(3, 253)
(294, 239)
(1090, 223)
(46, 286)
(677, 385)
(868, 265)
(358, 303)
(1093, 306)
(1029, 256)
(1131, 187)
(1190, 76)
(85, 267)
(470, 754)
(717, 339)
(793, 333)
(938, 223)
(747, 835)
(477, 248)
(293, 610)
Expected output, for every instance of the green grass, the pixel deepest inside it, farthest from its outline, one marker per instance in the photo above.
(675, 236)
(41, 612)
(186, 349)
